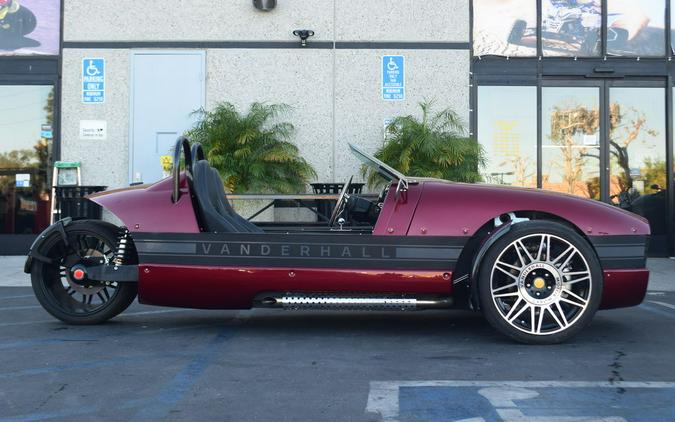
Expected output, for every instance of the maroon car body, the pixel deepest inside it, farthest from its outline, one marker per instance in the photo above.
(430, 208)
(428, 241)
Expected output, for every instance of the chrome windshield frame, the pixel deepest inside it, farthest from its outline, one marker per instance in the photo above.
(383, 169)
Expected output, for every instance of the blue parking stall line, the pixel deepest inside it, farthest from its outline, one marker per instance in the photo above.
(120, 317)
(182, 382)
(18, 308)
(42, 342)
(658, 311)
(100, 363)
(16, 297)
(100, 335)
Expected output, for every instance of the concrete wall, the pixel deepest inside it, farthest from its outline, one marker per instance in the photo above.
(106, 162)
(335, 93)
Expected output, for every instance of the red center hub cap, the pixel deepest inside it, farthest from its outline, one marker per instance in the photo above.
(79, 274)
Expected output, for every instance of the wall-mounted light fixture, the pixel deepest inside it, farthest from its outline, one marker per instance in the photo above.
(303, 34)
(265, 5)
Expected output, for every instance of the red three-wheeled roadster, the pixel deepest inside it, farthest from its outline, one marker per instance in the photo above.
(537, 264)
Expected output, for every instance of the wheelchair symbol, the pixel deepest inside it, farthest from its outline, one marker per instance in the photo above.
(503, 400)
(92, 70)
(392, 66)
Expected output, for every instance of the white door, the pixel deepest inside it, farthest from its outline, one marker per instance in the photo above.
(167, 89)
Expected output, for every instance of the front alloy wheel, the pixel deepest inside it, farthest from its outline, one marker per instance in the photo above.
(540, 283)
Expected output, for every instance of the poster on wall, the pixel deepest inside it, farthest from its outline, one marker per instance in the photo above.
(571, 27)
(29, 27)
(636, 27)
(505, 28)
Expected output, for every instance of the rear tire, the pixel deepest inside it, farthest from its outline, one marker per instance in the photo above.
(71, 302)
(540, 283)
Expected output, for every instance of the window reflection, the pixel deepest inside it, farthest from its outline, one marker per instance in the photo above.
(571, 27)
(636, 27)
(26, 133)
(637, 153)
(505, 27)
(570, 154)
(507, 130)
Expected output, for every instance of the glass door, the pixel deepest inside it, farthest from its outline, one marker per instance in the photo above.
(606, 140)
(26, 134)
(571, 138)
(637, 153)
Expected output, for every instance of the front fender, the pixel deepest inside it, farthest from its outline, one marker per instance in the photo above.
(149, 208)
(487, 243)
(34, 251)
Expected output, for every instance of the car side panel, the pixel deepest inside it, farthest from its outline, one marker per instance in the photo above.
(208, 287)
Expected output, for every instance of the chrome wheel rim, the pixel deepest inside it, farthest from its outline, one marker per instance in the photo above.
(541, 284)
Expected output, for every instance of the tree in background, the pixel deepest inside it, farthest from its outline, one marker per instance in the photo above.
(435, 145)
(253, 151)
(567, 125)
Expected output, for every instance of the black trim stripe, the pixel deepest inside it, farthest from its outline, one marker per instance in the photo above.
(340, 45)
(344, 251)
(621, 252)
(402, 45)
(195, 44)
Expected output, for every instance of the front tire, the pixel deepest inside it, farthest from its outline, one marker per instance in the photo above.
(64, 298)
(540, 283)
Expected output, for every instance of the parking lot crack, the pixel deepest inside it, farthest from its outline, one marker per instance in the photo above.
(615, 374)
(49, 397)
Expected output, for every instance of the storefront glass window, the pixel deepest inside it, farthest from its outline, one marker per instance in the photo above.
(636, 27)
(637, 148)
(30, 27)
(26, 117)
(571, 27)
(571, 150)
(507, 130)
(505, 27)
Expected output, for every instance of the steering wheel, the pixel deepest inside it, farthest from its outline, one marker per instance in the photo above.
(339, 205)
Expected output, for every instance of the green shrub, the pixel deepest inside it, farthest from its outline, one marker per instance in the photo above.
(252, 152)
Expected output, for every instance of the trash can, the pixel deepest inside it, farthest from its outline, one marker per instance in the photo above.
(325, 206)
(70, 201)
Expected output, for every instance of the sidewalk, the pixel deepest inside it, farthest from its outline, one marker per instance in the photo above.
(661, 279)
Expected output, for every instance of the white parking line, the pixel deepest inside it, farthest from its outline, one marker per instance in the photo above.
(667, 305)
(383, 397)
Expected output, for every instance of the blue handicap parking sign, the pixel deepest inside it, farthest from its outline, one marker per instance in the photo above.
(93, 80)
(393, 78)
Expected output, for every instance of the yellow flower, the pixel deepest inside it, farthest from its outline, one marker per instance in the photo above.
(167, 162)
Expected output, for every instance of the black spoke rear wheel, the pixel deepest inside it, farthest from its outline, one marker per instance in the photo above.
(59, 291)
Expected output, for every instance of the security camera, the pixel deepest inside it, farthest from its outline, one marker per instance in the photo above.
(265, 5)
(303, 34)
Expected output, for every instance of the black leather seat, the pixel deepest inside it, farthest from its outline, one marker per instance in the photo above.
(215, 212)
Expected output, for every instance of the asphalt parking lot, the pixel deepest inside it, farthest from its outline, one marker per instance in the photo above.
(266, 365)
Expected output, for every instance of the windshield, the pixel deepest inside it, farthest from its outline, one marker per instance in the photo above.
(384, 170)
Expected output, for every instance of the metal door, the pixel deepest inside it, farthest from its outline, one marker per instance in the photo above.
(167, 89)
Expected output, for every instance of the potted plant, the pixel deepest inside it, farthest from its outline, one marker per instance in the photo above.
(435, 145)
(252, 152)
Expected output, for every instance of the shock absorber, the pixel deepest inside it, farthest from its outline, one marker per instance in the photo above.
(122, 248)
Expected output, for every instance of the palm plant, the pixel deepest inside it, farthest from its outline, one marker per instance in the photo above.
(435, 146)
(252, 152)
